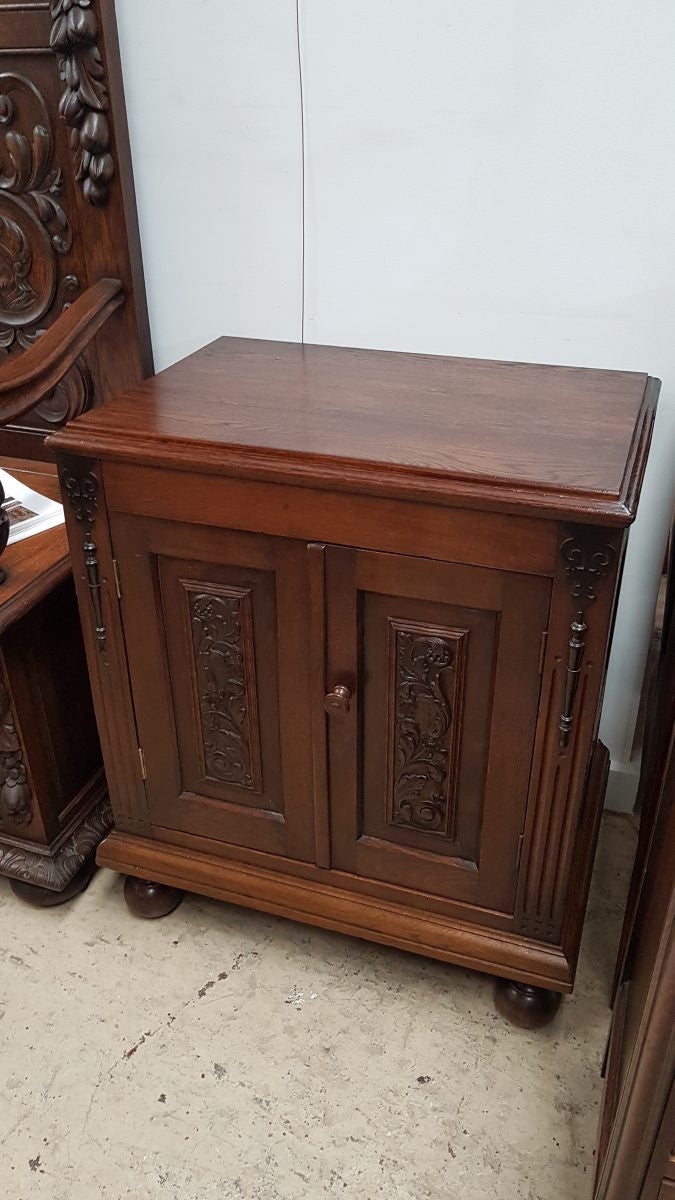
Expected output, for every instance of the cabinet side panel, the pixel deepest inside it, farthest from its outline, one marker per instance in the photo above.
(94, 574)
(577, 644)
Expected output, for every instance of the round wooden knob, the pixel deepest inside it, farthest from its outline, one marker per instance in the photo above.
(338, 700)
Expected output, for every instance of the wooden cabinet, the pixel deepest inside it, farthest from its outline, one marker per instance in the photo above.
(347, 616)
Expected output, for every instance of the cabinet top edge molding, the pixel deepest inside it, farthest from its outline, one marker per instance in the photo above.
(518, 437)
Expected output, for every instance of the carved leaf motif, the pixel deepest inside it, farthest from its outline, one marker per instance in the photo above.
(33, 225)
(423, 676)
(84, 104)
(71, 397)
(226, 690)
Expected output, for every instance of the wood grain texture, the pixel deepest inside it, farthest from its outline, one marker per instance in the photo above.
(484, 434)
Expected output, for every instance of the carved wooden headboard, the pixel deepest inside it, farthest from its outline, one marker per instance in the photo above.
(67, 220)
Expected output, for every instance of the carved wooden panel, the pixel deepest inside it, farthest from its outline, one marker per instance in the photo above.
(428, 768)
(67, 217)
(573, 669)
(425, 720)
(222, 637)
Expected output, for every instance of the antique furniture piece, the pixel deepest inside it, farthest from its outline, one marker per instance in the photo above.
(636, 1151)
(73, 331)
(54, 807)
(346, 615)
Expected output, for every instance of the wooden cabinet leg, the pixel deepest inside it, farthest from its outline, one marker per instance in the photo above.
(524, 1005)
(150, 900)
(41, 897)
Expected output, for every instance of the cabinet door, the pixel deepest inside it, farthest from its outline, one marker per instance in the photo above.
(431, 728)
(216, 631)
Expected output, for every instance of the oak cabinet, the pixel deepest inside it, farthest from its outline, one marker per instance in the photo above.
(347, 648)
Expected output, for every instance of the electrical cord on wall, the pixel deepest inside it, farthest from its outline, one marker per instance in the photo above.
(303, 182)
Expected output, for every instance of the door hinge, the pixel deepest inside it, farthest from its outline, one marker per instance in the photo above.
(519, 855)
(542, 650)
(141, 757)
(116, 573)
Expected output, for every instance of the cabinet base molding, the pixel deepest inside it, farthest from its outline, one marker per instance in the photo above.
(330, 906)
(42, 897)
(53, 869)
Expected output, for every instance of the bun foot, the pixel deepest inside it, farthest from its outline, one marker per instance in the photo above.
(524, 1005)
(150, 900)
(41, 897)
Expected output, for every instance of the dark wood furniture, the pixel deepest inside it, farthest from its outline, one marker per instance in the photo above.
(54, 807)
(67, 212)
(347, 626)
(73, 331)
(636, 1151)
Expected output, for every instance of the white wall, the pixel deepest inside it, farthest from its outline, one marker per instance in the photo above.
(483, 177)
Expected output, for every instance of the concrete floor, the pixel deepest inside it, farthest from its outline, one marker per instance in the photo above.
(221, 1053)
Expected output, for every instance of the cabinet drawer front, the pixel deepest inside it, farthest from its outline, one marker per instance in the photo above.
(215, 624)
(429, 768)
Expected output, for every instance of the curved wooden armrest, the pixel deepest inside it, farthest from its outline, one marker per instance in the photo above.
(25, 380)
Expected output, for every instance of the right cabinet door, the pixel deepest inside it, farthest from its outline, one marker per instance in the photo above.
(432, 679)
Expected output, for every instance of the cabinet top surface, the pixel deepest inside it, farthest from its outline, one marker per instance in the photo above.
(561, 440)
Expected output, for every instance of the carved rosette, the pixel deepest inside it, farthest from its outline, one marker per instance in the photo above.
(222, 636)
(425, 721)
(82, 493)
(85, 103)
(16, 797)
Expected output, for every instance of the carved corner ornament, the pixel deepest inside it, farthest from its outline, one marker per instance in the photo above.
(84, 104)
(82, 493)
(16, 797)
(586, 566)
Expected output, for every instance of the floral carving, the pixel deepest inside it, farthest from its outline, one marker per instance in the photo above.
(84, 104)
(428, 674)
(586, 566)
(34, 228)
(16, 797)
(222, 639)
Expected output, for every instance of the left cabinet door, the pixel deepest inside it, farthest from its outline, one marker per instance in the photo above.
(215, 625)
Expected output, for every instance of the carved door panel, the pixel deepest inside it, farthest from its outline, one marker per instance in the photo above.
(429, 763)
(216, 624)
